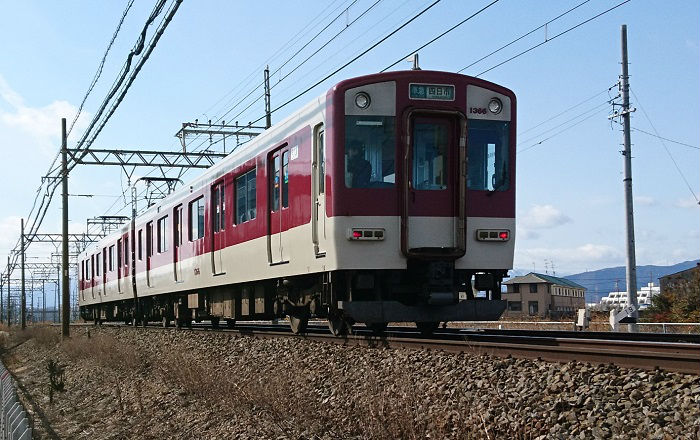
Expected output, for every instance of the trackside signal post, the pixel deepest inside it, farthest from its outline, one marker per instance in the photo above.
(629, 208)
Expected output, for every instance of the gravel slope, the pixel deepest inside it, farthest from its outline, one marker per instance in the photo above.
(122, 383)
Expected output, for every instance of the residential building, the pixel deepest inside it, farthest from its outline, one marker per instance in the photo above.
(541, 295)
(669, 282)
(619, 299)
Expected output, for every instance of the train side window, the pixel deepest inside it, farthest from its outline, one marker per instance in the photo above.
(285, 179)
(119, 253)
(97, 264)
(488, 155)
(219, 206)
(162, 233)
(275, 187)
(127, 254)
(111, 258)
(104, 261)
(196, 219)
(245, 197)
(321, 162)
(149, 239)
(140, 244)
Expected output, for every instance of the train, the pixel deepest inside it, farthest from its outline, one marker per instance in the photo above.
(389, 198)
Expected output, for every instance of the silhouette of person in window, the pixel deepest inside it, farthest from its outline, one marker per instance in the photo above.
(359, 170)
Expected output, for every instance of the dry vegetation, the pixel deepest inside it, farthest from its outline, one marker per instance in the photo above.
(157, 384)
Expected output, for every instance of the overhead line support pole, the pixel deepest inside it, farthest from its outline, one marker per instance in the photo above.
(9, 307)
(23, 302)
(268, 114)
(631, 271)
(65, 310)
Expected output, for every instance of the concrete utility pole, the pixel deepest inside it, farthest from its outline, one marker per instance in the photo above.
(9, 306)
(629, 208)
(23, 303)
(65, 329)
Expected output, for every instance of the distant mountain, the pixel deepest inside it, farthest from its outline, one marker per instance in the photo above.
(600, 282)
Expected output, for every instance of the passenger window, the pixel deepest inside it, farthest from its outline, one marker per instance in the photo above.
(245, 197)
(488, 155)
(275, 187)
(196, 220)
(162, 235)
(111, 258)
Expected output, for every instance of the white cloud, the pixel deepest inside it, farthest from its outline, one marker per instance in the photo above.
(689, 202)
(43, 124)
(543, 216)
(644, 201)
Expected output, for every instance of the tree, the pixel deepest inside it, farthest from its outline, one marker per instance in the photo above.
(680, 303)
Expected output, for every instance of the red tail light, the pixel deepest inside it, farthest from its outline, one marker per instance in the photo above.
(503, 235)
(357, 234)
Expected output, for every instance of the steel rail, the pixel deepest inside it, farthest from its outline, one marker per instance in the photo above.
(680, 357)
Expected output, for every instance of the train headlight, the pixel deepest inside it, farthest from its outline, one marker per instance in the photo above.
(362, 100)
(495, 106)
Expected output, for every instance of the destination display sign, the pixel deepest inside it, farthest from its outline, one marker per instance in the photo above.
(432, 91)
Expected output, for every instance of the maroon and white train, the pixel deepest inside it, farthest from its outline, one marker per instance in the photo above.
(389, 198)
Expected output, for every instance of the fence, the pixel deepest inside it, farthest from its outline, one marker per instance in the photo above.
(14, 424)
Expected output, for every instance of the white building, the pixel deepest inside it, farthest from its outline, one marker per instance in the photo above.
(644, 296)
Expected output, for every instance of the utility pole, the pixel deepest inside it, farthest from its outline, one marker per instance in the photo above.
(631, 271)
(23, 303)
(268, 115)
(65, 329)
(9, 307)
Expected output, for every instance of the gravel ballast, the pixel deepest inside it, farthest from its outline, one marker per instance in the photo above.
(127, 383)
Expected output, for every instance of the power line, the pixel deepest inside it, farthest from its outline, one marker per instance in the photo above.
(524, 35)
(554, 37)
(665, 139)
(597, 107)
(665, 147)
(551, 118)
(441, 35)
(557, 133)
(102, 63)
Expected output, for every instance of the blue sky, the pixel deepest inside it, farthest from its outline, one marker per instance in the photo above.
(570, 195)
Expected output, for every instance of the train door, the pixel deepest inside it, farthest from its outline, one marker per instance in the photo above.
(177, 239)
(278, 202)
(218, 219)
(120, 268)
(318, 172)
(435, 185)
(149, 252)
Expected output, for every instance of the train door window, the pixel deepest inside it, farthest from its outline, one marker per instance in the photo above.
(430, 150)
(275, 187)
(196, 220)
(97, 265)
(218, 196)
(119, 253)
(111, 258)
(162, 233)
(92, 263)
(245, 197)
(285, 179)
(177, 226)
(127, 254)
(104, 261)
(149, 239)
(140, 240)
(321, 161)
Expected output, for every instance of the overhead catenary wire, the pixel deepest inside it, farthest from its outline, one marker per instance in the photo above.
(559, 132)
(665, 138)
(440, 35)
(563, 112)
(553, 38)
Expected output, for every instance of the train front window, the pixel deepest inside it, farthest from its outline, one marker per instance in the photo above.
(487, 155)
(370, 151)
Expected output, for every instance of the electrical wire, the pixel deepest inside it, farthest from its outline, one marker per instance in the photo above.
(558, 133)
(665, 139)
(551, 118)
(554, 37)
(441, 35)
(665, 147)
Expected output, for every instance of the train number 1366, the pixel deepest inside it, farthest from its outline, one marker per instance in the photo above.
(477, 110)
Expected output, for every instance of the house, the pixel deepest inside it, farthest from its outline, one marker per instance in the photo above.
(671, 281)
(536, 294)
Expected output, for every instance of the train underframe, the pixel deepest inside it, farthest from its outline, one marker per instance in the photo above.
(427, 293)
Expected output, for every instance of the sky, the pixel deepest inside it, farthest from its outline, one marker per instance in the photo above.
(570, 197)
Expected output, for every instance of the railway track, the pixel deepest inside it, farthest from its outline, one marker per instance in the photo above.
(678, 353)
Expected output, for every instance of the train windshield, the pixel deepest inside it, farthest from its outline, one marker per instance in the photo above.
(370, 150)
(487, 155)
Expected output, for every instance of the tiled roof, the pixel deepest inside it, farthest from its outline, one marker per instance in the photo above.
(534, 277)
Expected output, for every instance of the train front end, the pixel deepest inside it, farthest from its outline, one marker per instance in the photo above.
(420, 197)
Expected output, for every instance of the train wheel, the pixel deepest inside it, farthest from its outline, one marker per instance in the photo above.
(427, 328)
(377, 327)
(337, 325)
(298, 324)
